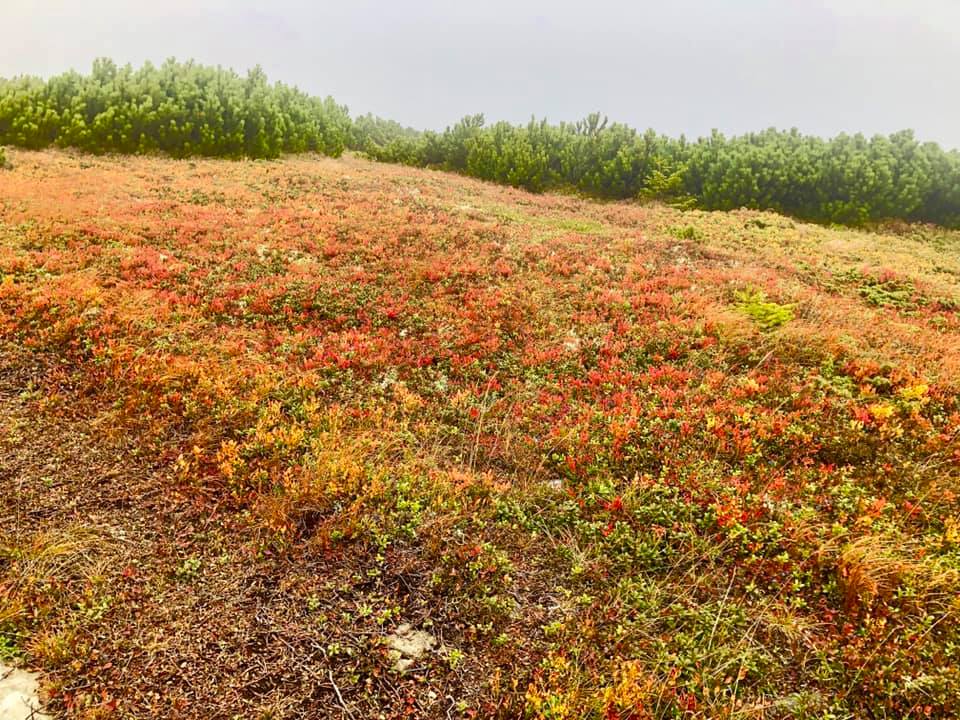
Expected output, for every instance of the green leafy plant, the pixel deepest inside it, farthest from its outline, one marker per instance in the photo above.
(8, 648)
(768, 315)
(686, 232)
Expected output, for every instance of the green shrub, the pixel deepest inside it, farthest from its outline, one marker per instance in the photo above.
(181, 109)
(845, 180)
(768, 315)
(687, 232)
(185, 109)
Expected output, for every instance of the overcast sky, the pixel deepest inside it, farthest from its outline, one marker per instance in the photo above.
(679, 66)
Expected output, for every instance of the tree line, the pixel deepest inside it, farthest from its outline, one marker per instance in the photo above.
(848, 179)
(186, 109)
(181, 109)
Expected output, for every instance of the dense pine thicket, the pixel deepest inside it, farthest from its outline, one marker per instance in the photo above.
(182, 109)
(186, 109)
(848, 179)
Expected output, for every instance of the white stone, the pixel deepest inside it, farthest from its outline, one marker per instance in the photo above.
(406, 645)
(19, 695)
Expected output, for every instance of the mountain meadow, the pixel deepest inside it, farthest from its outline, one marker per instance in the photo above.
(310, 416)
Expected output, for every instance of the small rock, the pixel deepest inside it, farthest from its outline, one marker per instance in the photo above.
(407, 645)
(19, 695)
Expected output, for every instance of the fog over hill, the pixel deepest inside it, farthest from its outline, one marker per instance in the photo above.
(682, 67)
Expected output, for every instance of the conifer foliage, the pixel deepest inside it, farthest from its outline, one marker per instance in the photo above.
(181, 109)
(848, 179)
(188, 109)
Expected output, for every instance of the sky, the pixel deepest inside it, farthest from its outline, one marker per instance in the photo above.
(678, 66)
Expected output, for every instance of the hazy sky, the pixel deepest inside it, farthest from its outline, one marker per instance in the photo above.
(679, 66)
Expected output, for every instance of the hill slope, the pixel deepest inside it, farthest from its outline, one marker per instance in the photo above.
(615, 461)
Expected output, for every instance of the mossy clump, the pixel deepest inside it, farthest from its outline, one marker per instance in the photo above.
(768, 315)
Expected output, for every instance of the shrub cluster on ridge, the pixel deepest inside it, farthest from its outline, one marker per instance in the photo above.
(187, 109)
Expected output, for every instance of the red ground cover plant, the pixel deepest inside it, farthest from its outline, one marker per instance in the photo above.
(625, 461)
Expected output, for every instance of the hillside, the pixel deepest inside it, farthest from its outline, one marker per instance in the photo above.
(267, 425)
(187, 109)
